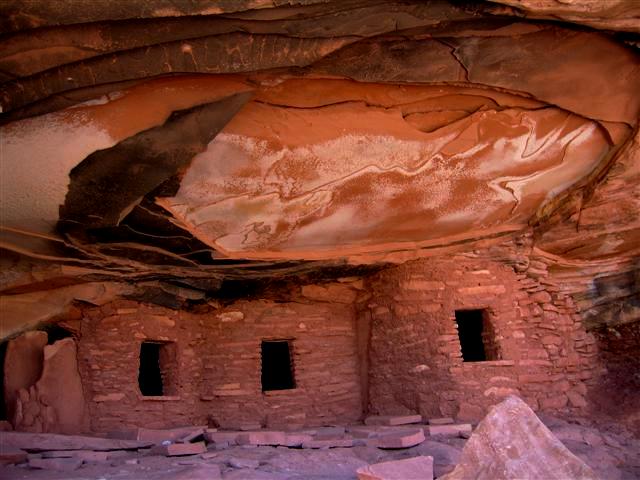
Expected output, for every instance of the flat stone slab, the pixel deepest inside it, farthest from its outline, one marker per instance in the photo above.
(59, 464)
(456, 430)
(40, 442)
(10, 455)
(297, 439)
(229, 437)
(171, 434)
(393, 420)
(441, 421)
(262, 437)
(178, 449)
(417, 468)
(329, 443)
(249, 427)
(85, 455)
(197, 434)
(407, 439)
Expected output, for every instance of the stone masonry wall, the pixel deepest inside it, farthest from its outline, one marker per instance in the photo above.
(218, 364)
(415, 360)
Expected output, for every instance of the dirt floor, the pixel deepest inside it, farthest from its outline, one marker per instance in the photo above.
(611, 451)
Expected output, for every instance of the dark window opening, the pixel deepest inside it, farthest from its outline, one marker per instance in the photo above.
(477, 339)
(55, 333)
(156, 376)
(277, 368)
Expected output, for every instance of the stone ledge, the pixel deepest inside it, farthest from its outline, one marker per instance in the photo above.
(160, 398)
(490, 363)
(289, 391)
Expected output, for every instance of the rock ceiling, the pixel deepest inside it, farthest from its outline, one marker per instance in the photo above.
(183, 144)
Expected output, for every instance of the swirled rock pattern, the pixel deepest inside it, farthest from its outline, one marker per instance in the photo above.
(336, 134)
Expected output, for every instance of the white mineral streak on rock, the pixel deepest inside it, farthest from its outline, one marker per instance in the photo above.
(378, 182)
(37, 155)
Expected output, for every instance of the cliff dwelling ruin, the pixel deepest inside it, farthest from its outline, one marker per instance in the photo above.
(320, 239)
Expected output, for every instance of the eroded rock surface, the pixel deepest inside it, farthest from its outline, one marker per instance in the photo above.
(511, 443)
(55, 403)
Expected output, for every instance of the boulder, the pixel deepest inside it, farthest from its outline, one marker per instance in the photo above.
(22, 366)
(512, 443)
(60, 387)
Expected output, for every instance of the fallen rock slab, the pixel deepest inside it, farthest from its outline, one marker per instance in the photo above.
(512, 443)
(40, 442)
(85, 455)
(458, 430)
(178, 449)
(59, 464)
(416, 468)
(231, 438)
(393, 420)
(440, 421)
(297, 439)
(171, 434)
(196, 435)
(407, 439)
(264, 437)
(445, 457)
(10, 455)
(328, 443)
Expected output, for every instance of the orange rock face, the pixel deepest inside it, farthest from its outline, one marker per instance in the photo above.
(378, 167)
(356, 133)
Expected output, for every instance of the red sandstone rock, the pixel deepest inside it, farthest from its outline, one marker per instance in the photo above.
(330, 293)
(460, 430)
(512, 443)
(84, 455)
(328, 443)
(60, 387)
(440, 421)
(38, 442)
(230, 438)
(22, 366)
(10, 455)
(172, 434)
(393, 420)
(405, 439)
(297, 439)
(178, 449)
(61, 464)
(416, 468)
(262, 437)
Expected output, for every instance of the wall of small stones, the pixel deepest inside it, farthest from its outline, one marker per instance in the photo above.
(415, 361)
(219, 363)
